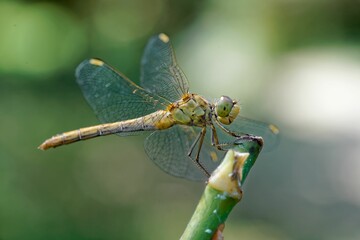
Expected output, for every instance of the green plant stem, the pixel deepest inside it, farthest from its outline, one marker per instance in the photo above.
(223, 190)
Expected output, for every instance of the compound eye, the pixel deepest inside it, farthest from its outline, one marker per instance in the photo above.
(224, 106)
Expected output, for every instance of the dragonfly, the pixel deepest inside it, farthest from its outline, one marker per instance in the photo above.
(186, 129)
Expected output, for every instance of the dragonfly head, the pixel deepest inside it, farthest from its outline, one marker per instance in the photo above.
(226, 110)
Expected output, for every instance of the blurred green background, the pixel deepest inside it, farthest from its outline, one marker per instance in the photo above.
(294, 63)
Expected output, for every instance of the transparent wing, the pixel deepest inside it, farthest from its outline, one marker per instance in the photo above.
(112, 96)
(168, 150)
(160, 73)
(242, 125)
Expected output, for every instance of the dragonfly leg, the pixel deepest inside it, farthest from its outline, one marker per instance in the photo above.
(214, 138)
(229, 131)
(194, 144)
(200, 137)
(239, 138)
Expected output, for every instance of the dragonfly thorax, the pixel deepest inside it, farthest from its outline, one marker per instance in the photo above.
(192, 110)
(226, 110)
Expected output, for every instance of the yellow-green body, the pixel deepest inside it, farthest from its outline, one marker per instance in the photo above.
(191, 110)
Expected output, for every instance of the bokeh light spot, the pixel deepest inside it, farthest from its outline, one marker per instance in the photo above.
(37, 39)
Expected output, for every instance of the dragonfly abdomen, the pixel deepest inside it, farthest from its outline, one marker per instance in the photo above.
(154, 121)
(76, 135)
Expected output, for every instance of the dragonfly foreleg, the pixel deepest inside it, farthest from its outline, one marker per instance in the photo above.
(200, 137)
(228, 131)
